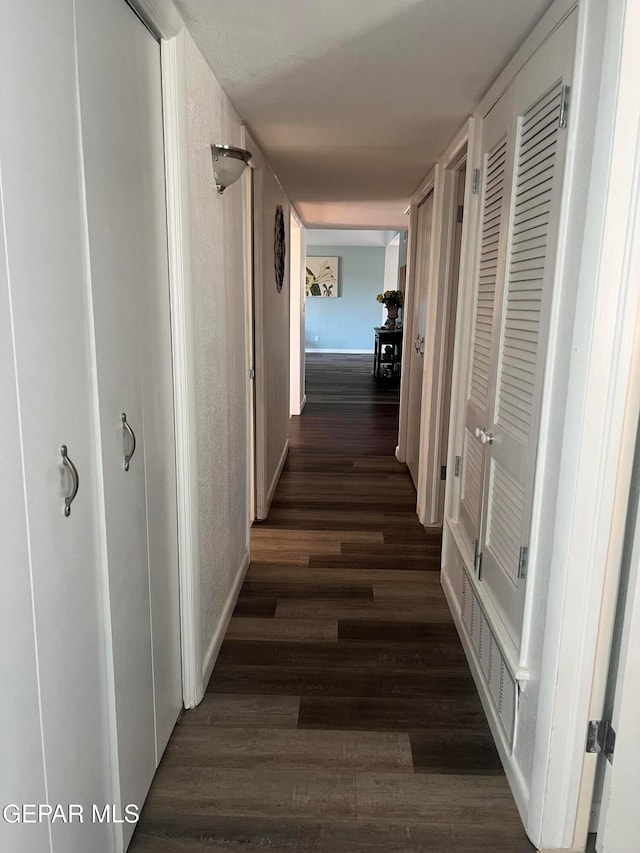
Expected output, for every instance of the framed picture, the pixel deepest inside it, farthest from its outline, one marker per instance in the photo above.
(322, 276)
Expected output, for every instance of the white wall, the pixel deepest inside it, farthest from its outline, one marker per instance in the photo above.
(218, 299)
(346, 323)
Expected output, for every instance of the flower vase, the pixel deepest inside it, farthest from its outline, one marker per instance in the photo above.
(392, 316)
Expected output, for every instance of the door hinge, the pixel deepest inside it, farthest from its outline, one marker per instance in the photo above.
(252, 373)
(458, 469)
(476, 182)
(443, 472)
(460, 214)
(564, 106)
(601, 738)
(522, 562)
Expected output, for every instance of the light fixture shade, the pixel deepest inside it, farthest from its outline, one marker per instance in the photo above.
(228, 164)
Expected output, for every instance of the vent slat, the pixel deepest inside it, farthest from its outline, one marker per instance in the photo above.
(472, 475)
(505, 519)
(487, 273)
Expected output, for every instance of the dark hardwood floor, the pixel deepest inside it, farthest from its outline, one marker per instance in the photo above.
(341, 715)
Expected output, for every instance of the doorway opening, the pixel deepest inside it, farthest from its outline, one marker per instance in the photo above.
(349, 357)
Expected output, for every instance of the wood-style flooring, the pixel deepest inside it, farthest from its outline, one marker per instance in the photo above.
(341, 715)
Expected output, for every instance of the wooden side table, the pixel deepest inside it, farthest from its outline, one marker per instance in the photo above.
(387, 353)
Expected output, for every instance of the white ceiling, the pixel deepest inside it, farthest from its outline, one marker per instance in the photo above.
(353, 100)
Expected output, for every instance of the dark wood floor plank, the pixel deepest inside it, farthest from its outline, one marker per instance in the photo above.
(258, 791)
(423, 633)
(382, 658)
(454, 751)
(382, 713)
(282, 590)
(416, 610)
(428, 562)
(243, 710)
(436, 798)
(297, 749)
(224, 834)
(286, 574)
(285, 630)
(255, 605)
(330, 681)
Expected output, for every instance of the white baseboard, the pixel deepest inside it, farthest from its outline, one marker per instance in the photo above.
(275, 481)
(561, 850)
(223, 623)
(301, 406)
(345, 351)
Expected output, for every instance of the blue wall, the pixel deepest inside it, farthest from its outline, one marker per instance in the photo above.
(347, 322)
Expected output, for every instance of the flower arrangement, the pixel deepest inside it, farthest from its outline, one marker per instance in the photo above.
(390, 298)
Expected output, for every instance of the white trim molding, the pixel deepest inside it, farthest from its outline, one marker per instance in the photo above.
(344, 351)
(161, 16)
(223, 622)
(276, 478)
(184, 370)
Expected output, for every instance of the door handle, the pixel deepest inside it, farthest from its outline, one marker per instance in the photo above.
(487, 437)
(75, 480)
(132, 435)
(416, 343)
(421, 350)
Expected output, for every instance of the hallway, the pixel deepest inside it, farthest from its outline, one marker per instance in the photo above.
(341, 715)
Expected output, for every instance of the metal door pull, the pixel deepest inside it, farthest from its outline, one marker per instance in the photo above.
(128, 456)
(75, 480)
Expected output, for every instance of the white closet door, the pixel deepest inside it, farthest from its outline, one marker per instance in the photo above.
(22, 779)
(495, 167)
(121, 112)
(417, 330)
(539, 103)
(61, 573)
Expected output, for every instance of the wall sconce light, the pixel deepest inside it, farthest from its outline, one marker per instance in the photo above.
(228, 164)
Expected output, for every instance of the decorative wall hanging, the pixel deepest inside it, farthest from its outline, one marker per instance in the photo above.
(322, 276)
(280, 248)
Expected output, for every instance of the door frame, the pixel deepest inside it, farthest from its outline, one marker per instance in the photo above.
(297, 239)
(250, 317)
(184, 362)
(426, 187)
(438, 301)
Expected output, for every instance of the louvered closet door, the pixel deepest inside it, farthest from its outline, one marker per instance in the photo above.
(494, 168)
(538, 98)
